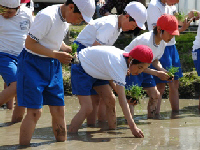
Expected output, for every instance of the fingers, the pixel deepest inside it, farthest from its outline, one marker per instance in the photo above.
(139, 134)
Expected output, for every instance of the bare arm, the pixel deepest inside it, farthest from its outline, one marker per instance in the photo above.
(65, 47)
(126, 111)
(96, 43)
(160, 72)
(36, 47)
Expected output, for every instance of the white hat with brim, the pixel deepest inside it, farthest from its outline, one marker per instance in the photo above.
(141, 25)
(138, 12)
(10, 3)
(87, 9)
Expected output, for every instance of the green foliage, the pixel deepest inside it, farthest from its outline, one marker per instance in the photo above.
(74, 48)
(135, 92)
(195, 13)
(172, 70)
(184, 44)
(2, 10)
(180, 16)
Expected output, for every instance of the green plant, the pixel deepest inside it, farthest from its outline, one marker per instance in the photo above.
(171, 71)
(134, 93)
(195, 13)
(74, 48)
(180, 16)
(2, 9)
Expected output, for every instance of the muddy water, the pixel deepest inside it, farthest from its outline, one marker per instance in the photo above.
(169, 132)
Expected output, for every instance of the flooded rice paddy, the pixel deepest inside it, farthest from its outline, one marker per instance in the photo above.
(169, 132)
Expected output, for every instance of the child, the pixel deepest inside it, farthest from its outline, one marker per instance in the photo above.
(196, 51)
(170, 57)
(14, 26)
(102, 63)
(40, 74)
(166, 29)
(105, 31)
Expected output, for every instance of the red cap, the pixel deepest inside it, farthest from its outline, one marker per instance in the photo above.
(168, 23)
(141, 53)
(25, 1)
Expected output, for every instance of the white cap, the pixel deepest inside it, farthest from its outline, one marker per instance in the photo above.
(138, 12)
(87, 9)
(10, 3)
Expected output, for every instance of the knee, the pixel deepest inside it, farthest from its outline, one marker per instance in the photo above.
(88, 110)
(58, 111)
(35, 115)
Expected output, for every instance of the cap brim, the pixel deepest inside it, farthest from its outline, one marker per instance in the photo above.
(141, 25)
(126, 54)
(87, 19)
(176, 32)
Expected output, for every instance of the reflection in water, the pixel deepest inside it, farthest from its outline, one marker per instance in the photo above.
(169, 131)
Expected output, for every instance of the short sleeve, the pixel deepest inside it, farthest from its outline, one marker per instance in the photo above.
(153, 14)
(40, 27)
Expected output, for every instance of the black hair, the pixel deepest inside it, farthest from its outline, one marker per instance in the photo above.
(135, 61)
(156, 32)
(130, 18)
(76, 10)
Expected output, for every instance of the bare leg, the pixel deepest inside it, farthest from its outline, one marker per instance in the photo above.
(8, 93)
(91, 119)
(58, 122)
(161, 89)
(18, 113)
(28, 125)
(174, 95)
(102, 111)
(10, 103)
(105, 92)
(154, 95)
(86, 109)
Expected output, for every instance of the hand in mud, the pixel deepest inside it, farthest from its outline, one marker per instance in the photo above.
(137, 132)
(163, 75)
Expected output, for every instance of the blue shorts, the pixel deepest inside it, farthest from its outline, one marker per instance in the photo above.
(143, 79)
(8, 67)
(196, 59)
(170, 58)
(80, 47)
(39, 81)
(82, 83)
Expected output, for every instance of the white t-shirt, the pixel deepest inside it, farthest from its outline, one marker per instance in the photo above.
(155, 9)
(49, 28)
(13, 31)
(196, 43)
(104, 30)
(104, 62)
(148, 39)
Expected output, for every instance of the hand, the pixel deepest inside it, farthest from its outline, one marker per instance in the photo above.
(67, 49)
(162, 75)
(63, 57)
(137, 132)
(132, 101)
(186, 24)
(193, 13)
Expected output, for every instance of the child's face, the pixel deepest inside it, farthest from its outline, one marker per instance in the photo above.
(128, 25)
(166, 36)
(71, 17)
(136, 69)
(9, 13)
